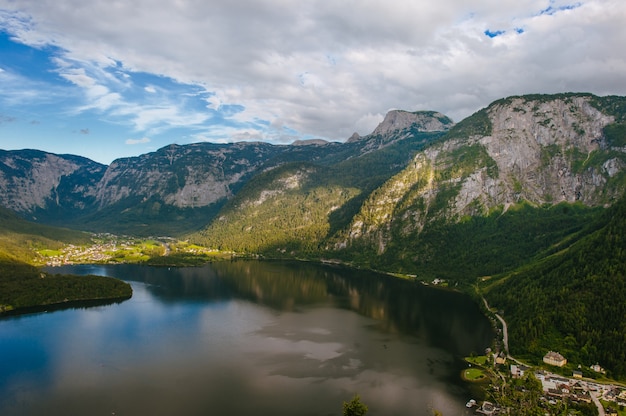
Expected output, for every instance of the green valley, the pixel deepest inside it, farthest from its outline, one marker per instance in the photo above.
(23, 287)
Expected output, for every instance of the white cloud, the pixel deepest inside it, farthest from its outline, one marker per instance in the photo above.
(145, 118)
(143, 140)
(78, 77)
(325, 68)
(368, 122)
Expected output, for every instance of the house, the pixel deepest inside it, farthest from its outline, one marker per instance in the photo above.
(561, 391)
(518, 371)
(598, 369)
(581, 396)
(577, 374)
(500, 358)
(554, 358)
(487, 408)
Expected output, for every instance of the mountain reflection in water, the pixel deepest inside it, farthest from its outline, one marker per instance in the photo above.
(397, 305)
(245, 337)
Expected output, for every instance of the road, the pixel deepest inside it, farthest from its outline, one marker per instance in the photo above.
(597, 403)
(505, 330)
(505, 342)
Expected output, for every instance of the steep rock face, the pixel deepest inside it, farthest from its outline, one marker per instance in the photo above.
(540, 150)
(32, 180)
(536, 144)
(183, 176)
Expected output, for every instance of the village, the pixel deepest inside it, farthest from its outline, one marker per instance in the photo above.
(609, 399)
(109, 248)
(104, 248)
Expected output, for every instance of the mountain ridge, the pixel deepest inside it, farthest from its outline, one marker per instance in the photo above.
(156, 188)
(535, 148)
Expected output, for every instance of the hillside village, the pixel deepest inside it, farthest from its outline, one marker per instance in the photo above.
(557, 391)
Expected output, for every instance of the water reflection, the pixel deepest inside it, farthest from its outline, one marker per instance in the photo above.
(446, 318)
(241, 338)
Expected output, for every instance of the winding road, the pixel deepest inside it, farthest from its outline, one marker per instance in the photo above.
(505, 330)
(505, 342)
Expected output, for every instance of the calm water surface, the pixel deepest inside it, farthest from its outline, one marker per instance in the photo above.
(242, 338)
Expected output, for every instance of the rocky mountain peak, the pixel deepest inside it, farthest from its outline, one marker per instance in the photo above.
(309, 142)
(354, 138)
(421, 121)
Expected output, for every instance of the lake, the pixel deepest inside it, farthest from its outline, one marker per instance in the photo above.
(243, 338)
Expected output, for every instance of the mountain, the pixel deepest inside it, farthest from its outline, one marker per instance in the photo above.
(293, 208)
(173, 190)
(509, 165)
(399, 125)
(535, 151)
(45, 186)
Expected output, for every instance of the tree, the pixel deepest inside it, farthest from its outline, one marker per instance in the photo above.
(354, 407)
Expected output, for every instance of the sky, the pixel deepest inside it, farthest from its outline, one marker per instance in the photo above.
(106, 79)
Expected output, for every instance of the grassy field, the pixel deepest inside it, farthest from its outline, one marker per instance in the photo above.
(474, 374)
(481, 360)
(476, 370)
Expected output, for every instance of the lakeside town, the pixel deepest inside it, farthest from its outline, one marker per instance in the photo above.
(547, 389)
(559, 393)
(110, 248)
(557, 388)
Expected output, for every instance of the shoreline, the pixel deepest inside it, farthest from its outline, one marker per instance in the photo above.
(64, 305)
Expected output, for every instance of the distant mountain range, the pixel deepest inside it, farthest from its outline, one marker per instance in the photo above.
(494, 201)
(177, 188)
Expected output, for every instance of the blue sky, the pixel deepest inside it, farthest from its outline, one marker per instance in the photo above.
(107, 80)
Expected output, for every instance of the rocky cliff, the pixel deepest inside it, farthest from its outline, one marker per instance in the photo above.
(537, 149)
(190, 176)
(421, 121)
(35, 183)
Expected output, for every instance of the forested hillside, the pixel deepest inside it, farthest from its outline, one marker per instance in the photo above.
(292, 209)
(574, 301)
(19, 238)
(23, 286)
(480, 245)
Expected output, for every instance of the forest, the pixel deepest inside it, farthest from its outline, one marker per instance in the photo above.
(24, 287)
(573, 301)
